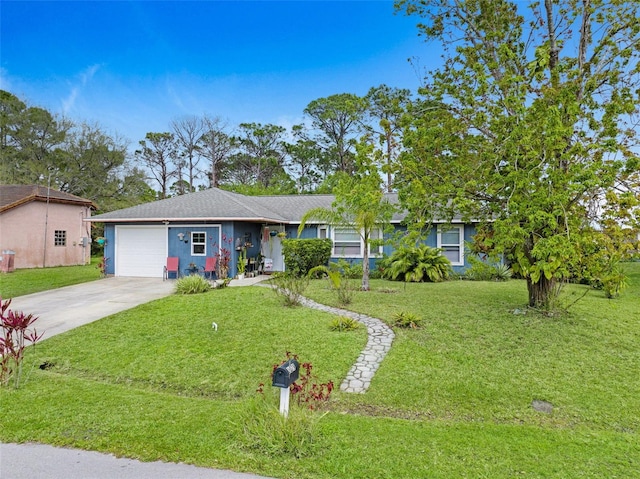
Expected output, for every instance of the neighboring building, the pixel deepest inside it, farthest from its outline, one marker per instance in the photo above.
(139, 239)
(44, 227)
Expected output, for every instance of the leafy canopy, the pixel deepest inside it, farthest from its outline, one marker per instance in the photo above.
(526, 126)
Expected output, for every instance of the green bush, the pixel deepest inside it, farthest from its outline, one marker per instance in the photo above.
(488, 270)
(290, 287)
(302, 255)
(417, 264)
(344, 323)
(193, 284)
(349, 270)
(407, 320)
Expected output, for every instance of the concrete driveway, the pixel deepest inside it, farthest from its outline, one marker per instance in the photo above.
(62, 309)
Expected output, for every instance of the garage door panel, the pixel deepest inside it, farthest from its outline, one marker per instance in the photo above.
(141, 251)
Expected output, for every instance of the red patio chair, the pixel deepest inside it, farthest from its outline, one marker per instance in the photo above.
(210, 266)
(171, 267)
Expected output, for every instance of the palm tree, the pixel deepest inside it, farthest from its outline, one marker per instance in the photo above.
(359, 204)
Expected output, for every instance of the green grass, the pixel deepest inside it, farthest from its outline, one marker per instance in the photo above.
(452, 399)
(34, 280)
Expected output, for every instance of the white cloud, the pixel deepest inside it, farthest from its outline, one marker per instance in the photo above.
(83, 78)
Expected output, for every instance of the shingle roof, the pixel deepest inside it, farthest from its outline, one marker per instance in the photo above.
(12, 196)
(219, 205)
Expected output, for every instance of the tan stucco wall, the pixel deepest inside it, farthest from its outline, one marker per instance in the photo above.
(22, 229)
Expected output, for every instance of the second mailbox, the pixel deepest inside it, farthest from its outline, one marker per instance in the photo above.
(286, 374)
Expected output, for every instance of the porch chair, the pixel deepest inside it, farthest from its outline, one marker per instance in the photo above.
(210, 266)
(171, 267)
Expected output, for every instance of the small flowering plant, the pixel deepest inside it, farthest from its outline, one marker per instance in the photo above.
(307, 390)
(223, 255)
(16, 329)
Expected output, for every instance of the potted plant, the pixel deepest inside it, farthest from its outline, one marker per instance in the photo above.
(241, 263)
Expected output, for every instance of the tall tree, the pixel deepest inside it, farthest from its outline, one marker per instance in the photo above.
(387, 109)
(31, 141)
(532, 136)
(360, 204)
(92, 160)
(338, 120)
(158, 154)
(304, 159)
(216, 146)
(188, 132)
(260, 154)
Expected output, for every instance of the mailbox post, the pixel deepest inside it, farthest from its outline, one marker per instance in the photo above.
(283, 377)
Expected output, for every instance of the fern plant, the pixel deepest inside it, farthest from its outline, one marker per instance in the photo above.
(418, 264)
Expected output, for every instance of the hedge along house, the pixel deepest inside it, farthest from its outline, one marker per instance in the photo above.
(215, 222)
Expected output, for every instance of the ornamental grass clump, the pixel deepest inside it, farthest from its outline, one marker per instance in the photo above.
(407, 320)
(193, 284)
(344, 323)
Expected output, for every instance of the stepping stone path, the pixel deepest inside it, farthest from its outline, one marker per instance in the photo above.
(381, 336)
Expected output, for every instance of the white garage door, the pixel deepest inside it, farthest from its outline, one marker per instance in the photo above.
(140, 251)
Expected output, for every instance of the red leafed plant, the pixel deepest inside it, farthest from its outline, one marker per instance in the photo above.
(15, 331)
(306, 389)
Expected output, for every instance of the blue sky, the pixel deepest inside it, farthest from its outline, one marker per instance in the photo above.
(133, 67)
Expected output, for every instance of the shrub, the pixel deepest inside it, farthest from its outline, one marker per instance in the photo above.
(407, 320)
(417, 264)
(488, 270)
(344, 323)
(349, 270)
(290, 287)
(15, 331)
(193, 284)
(341, 285)
(302, 255)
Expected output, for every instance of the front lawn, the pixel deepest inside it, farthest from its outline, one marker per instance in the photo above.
(453, 399)
(34, 280)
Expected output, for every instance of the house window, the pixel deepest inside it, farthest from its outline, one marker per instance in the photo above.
(60, 238)
(375, 235)
(322, 232)
(347, 242)
(198, 244)
(451, 242)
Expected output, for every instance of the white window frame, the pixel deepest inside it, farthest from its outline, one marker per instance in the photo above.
(336, 251)
(323, 232)
(459, 245)
(194, 243)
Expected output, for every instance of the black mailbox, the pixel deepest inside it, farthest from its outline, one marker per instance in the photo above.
(286, 374)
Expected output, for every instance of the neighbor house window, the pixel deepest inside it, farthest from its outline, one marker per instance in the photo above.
(451, 242)
(60, 238)
(322, 232)
(198, 244)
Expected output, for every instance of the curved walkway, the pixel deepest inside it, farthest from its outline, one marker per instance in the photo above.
(381, 336)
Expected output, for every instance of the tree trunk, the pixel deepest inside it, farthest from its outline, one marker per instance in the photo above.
(541, 294)
(365, 265)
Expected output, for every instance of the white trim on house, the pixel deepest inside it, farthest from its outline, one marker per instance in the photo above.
(199, 243)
